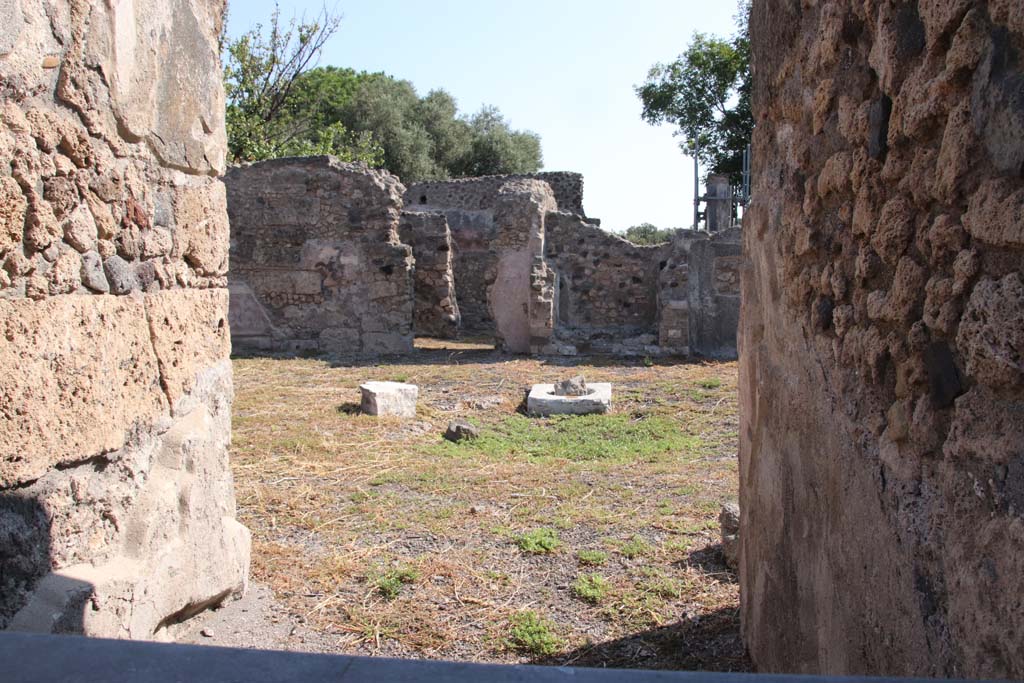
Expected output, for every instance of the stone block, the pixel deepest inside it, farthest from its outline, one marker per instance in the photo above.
(389, 399)
(543, 400)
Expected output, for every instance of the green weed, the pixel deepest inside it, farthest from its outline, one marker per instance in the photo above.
(590, 588)
(539, 541)
(532, 634)
(593, 558)
(389, 584)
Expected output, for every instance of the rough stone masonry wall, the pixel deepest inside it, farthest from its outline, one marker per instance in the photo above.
(436, 309)
(606, 284)
(316, 262)
(481, 193)
(521, 297)
(882, 340)
(116, 501)
(699, 294)
(468, 204)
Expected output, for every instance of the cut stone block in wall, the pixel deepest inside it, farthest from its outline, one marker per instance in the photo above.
(881, 337)
(117, 510)
(316, 261)
(436, 309)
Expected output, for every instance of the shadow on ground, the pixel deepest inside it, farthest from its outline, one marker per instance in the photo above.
(701, 642)
(477, 353)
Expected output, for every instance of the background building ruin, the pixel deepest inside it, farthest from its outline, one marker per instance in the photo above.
(116, 501)
(320, 261)
(316, 264)
(608, 295)
(882, 375)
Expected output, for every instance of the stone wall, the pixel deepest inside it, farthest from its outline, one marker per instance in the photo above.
(609, 295)
(436, 309)
(481, 193)
(882, 340)
(316, 262)
(605, 282)
(116, 501)
(521, 297)
(699, 294)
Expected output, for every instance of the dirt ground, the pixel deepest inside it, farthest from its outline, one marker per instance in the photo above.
(590, 541)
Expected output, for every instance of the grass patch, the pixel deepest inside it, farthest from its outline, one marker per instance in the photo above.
(710, 383)
(538, 541)
(615, 438)
(590, 588)
(635, 547)
(389, 584)
(347, 511)
(532, 634)
(592, 558)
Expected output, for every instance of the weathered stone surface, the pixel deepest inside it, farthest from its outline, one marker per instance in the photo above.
(460, 430)
(315, 258)
(140, 535)
(572, 386)
(605, 294)
(542, 400)
(880, 337)
(86, 372)
(521, 298)
(395, 399)
(116, 501)
(436, 310)
(729, 523)
(189, 332)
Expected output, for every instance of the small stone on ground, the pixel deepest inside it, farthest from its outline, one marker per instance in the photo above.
(460, 430)
(573, 386)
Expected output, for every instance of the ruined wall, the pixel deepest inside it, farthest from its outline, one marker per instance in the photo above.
(316, 262)
(436, 308)
(699, 294)
(116, 501)
(609, 295)
(481, 194)
(607, 285)
(521, 297)
(468, 204)
(882, 333)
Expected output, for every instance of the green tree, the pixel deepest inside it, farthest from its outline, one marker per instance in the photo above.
(647, 233)
(706, 94)
(267, 114)
(496, 149)
(280, 104)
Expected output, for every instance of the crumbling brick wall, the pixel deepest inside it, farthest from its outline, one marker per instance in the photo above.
(468, 204)
(116, 501)
(882, 340)
(316, 262)
(436, 309)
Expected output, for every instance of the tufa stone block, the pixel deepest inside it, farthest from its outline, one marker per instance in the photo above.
(389, 398)
(544, 401)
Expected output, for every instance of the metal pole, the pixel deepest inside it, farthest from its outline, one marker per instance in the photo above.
(696, 185)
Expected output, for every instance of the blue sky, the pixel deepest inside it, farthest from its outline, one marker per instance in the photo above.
(564, 69)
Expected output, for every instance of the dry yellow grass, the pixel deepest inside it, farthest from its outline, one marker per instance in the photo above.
(392, 542)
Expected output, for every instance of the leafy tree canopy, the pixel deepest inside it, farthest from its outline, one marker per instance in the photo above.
(279, 103)
(647, 233)
(705, 92)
